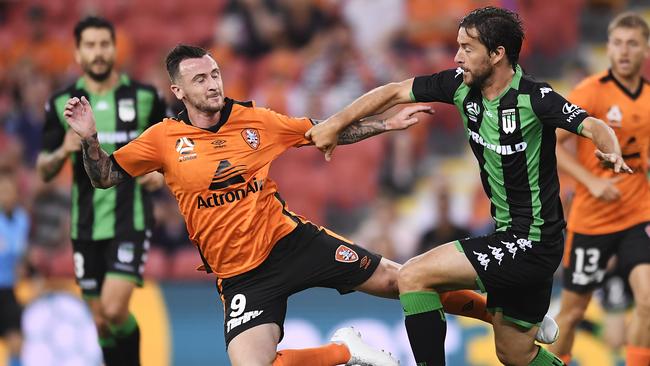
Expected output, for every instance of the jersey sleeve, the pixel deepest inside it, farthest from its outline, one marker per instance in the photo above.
(554, 110)
(287, 131)
(439, 87)
(144, 154)
(53, 129)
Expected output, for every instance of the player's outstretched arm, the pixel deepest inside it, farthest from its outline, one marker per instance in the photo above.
(100, 168)
(609, 151)
(361, 130)
(325, 135)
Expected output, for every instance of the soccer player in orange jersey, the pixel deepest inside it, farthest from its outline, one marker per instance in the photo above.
(215, 158)
(610, 215)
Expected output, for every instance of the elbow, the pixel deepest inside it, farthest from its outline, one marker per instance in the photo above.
(98, 184)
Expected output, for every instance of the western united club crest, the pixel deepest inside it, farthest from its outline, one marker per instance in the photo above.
(126, 110)
(252, 137)
(509, 120)
(125, 252)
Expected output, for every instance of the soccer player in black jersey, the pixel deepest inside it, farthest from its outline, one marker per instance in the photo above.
(510, 121)
(110, 228)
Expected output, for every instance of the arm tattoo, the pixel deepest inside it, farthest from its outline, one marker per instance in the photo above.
(99, 167)
(361, 130)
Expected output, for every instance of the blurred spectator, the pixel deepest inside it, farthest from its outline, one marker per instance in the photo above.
(378, 233)
(170, 232)
(444, 230)
(14, 231)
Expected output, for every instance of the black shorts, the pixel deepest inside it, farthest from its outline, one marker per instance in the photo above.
(10, 311)
(124, 258)
(586, 267)
(307, 257)
(516, 273)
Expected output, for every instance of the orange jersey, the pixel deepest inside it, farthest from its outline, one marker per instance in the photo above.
(605, 98)
(219, 177)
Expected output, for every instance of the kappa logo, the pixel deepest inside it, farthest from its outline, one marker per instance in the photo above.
(345, 254)
(497, 253)
(545, 91)
(473, 110)
(524, 243)
(252, 137)
(483, 259)
(512, 248)
(459, 71)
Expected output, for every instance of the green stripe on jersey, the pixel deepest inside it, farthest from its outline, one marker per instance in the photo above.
(104, 200)
(532, 133)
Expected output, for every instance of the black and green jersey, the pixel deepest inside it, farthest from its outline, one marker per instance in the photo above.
(121, 115)
(513, 139)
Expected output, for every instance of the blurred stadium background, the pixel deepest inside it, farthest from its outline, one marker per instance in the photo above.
(396, 194)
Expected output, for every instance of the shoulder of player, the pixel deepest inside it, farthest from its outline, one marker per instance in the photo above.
(63, 92)
(138, 85)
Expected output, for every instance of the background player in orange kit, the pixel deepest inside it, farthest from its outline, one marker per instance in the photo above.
(611, 215)
(216, 159)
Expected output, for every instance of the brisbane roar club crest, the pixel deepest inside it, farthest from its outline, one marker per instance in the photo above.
(252, 137)
(345, 254)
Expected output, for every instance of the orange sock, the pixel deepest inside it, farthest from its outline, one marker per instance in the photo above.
(466, 303)
(329, 355)
(637, 356)
(566, 359)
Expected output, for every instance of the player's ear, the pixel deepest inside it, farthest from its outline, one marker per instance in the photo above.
(178, 92)
(498, 55)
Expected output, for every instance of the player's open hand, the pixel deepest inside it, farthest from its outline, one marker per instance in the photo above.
(79, 116)
(325, 137)
(406, 117)
(613, 161)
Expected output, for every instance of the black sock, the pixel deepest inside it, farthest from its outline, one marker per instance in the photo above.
(127, 339)
(426, 327)
(110, 352)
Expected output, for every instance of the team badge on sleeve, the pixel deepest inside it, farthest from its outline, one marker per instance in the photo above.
(252, 137)
(345, 254)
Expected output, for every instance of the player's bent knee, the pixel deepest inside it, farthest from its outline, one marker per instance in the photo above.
(114, 312)
(642, 303)
(573, 315)
(409, 278)
(509, 356)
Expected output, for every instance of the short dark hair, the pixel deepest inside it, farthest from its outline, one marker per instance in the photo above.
(92, 22)
(497, 27)
(178, 54)
(629, 20)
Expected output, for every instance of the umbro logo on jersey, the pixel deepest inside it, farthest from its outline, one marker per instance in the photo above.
(252, 137)
(345, 254)
(218, 143)
(473, 110)
(227, 175)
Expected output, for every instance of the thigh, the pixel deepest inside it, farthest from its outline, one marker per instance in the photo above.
(383, 281)
(586, 259)
(442, 268)
(124, 258)
(513, 343)
(262, 338)
(89, 265)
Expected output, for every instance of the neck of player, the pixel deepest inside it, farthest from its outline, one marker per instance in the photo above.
(631, 83)
(498, 82)
(100, 87)
(202, 119)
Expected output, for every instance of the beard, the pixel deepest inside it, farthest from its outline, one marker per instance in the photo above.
(480, 76)
(205, 106)
(98, 76)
